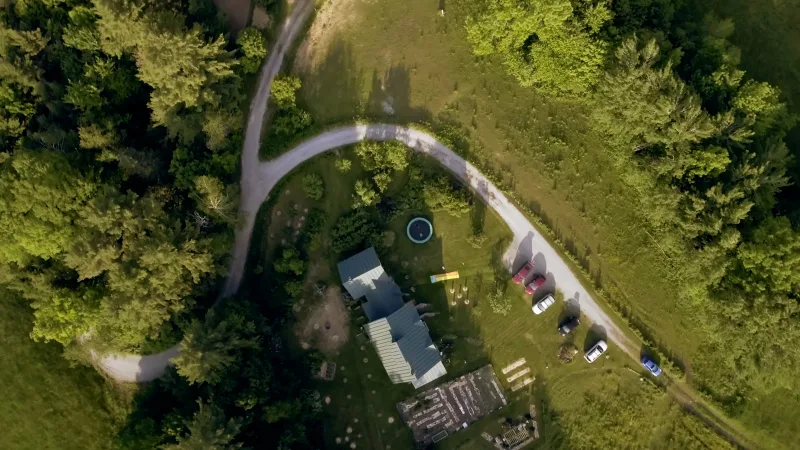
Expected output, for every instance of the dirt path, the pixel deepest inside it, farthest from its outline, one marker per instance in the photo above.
(252, 194)
(135, 368)
(528, 242)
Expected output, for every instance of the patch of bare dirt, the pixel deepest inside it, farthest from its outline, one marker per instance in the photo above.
(317, 271)
(326, 324)
(332, 17)
(236, 12)
(261, 19)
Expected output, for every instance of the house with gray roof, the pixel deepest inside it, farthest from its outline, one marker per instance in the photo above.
(400, 336)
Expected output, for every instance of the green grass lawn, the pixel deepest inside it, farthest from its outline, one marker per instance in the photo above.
(556, 165)
(362, 398)
(45, 403)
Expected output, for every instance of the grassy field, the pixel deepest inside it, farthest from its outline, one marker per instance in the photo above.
(352, 65)
(556, 165)
(46, 404)
(572, 401)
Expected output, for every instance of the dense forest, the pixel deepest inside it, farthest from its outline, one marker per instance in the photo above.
(120, 128)
(703, 146)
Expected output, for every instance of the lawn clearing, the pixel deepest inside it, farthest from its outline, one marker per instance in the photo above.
(46, 404)
(326, 324)
(544, 149)
(361, 403)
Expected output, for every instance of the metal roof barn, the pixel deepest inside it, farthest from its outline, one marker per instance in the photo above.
(400, 336)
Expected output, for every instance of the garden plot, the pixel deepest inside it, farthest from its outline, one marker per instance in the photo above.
(438, 412)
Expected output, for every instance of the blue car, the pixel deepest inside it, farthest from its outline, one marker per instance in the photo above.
(651, 366)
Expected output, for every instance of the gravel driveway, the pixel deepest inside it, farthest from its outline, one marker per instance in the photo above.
(258, 179)
(528, 243)
(149, 367)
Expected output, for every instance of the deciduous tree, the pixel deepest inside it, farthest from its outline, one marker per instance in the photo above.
(283, 91)
(353, 231)
(343, 165)
(383, 156)
(365, 194)
(547, 44)
(313, 186)
(216, 199)
(290, 262)
(439, 195)
(769, 261)
(254, 48)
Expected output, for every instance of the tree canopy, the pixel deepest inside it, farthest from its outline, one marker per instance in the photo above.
(121, 128)
(552, 45)
(699, 142)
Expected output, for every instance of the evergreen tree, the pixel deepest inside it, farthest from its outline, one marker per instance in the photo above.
(211, 348)
(209, 429)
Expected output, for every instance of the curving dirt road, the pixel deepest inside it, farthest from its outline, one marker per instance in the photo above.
(258, 178)
(135, 368)
(528, 243)
(251, 182)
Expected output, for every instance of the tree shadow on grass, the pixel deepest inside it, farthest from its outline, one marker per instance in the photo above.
(501, 275)
(551, 432)
(335, 91)
(332, 90)
(524, 254)
(478, 216)
(390, 98)
(572, 308)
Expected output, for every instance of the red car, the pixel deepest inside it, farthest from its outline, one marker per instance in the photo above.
(523, 272)
(537, 282)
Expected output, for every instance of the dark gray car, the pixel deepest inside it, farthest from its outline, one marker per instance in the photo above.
(569, 324)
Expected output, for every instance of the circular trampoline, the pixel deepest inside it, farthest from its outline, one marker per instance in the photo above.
(419, 230)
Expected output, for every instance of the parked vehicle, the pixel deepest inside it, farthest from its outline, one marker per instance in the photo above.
(543, 304)
(523, 273)
(598, 349)
(568, 325)
(535, 284)
(651, 366)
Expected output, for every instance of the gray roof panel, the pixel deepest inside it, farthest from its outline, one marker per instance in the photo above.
(385, 299)
(405, 346)
(418, 349)
(358, 264)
